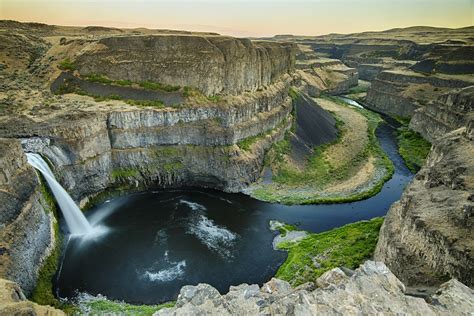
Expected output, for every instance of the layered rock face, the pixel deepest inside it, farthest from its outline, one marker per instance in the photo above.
(371, 289)
(25, 221)
(451, 111)
(401, 92)
(315, 74)
(423, 49)
(169, 147)
(213, 64)
(427, 236)
(94, 146)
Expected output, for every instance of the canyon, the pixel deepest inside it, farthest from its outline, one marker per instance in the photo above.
(77, 96)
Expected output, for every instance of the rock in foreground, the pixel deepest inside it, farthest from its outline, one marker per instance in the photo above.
(14, 302)
(371, 289)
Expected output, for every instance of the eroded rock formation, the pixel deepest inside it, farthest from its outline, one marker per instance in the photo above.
(427, 237)
(26, 223)
(96, 146)
(449, 112)
(213, 64)
(401, 92)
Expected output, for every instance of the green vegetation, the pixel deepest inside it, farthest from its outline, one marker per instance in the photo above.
(153, 103)
(104, 306)
(43, 292)
(124, 173)
(318, 172)
(149, 85)
(158, 86)
(293, 93)
(358, 89)
(200, 98)
(347, 246)
(99, 79)
(166, 151)
(247, 143)
(66, 64)
(286, 228)
(413, 148)
(50, 202)
(173, 166)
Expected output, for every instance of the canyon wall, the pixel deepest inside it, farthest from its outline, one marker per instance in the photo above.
(315, 74)
(96, 146)
(213, 64)
(427, 236)
(449, 112)
(26, 220)
(401, 92)
(165, 147)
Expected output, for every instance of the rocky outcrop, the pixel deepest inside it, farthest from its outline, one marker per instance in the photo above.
(25, 220)
(14, 302)
(213, 64)
(427, 237)
(371, 289)
(401, 92)
(451, 111)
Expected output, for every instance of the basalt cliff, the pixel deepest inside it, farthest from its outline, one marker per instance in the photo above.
(95, 146)
(113, 109)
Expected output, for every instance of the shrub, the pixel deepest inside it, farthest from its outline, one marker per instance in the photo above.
(66, 64)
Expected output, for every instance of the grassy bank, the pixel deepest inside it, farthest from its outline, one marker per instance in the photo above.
(308, 185)
(100, 306)
(413, 148)
(347, 246)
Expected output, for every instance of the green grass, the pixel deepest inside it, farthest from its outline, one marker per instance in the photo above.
(99, 79)
(153, 103)
(66, 64)
(124, 173)
(286, 228)
(104, 306)
(413, 148)
(149, 85)
(318, 173)
(124, 83)
(358, 89)
(293, 93)
(246, 143)
(158, 86)
(347, 246)
(173, 166)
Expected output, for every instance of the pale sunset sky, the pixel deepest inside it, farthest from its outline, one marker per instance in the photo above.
(245, 17)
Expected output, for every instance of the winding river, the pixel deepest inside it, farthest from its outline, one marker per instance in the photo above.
(158, 241)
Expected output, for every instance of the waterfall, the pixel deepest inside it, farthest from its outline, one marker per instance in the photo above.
(75, 219)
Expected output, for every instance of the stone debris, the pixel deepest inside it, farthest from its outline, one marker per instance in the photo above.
(372, 289)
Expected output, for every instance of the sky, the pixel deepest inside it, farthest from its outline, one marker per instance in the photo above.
(246, 17)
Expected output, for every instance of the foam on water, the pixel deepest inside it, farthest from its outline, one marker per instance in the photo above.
(194, 206)
(174, 272)
(217, 238)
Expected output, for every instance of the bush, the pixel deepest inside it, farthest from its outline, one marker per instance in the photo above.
(66, 64)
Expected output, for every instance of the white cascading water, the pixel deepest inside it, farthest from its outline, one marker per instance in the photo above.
(75, 219)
